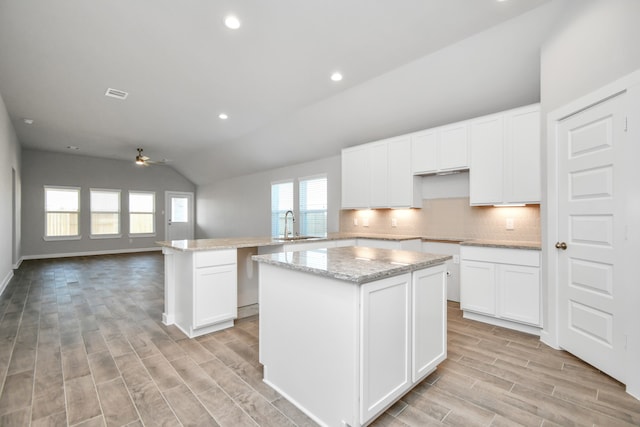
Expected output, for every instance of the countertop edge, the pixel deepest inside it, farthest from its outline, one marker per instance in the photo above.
(396, 270)
(249, 242)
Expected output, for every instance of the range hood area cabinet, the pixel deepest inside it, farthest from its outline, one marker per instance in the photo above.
(378, 175)
(505, 157)
(440, 150)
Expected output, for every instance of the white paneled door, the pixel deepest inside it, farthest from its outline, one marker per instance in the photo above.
(591, 224)
(179, 216)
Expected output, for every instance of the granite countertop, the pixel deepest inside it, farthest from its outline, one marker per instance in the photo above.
(353, 264)
(248, 242)
(394, 237)
(509, 244)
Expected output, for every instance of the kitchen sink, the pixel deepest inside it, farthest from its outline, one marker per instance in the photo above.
(294, 238)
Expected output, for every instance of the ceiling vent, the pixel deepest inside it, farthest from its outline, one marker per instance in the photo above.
(115, 93)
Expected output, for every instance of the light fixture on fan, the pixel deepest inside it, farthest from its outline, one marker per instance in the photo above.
(140, 159)
(143, 160)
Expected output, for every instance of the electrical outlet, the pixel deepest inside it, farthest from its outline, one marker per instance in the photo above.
(355, 221)
(510, 224)
(456, 259)
(394, 222)
(365, 222)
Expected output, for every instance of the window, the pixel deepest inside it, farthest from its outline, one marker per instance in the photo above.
(142, 208)
(281, 202)
(313, 206)
(62, 212)
(105, 213)
(310, 195)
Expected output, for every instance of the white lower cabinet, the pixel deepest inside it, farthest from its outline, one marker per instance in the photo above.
(520, 293)
(367, 345)
(501, 285)
(205, 290)
(478, 286)
(215, 295)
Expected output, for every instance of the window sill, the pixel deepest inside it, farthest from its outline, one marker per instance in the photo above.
(142, 235)
(105, 236)
(60, 238)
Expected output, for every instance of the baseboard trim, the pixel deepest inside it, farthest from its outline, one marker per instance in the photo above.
(91, 253)
(18, 264)
(6, 281)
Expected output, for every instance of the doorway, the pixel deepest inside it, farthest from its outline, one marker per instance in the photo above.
(179, 223)
(592, 228)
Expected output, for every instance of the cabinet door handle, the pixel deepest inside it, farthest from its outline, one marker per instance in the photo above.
(561, 245)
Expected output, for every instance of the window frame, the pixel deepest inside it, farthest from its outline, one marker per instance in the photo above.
(297, 227)
(77, 236)
(300, 198)
(116, 235)
(153, 213)
(274, 233)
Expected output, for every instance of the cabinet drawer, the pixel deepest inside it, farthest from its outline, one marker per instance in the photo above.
(501, 255)
(217, 257)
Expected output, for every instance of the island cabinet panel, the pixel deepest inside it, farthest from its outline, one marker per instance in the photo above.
(385, 343)
(429, 321)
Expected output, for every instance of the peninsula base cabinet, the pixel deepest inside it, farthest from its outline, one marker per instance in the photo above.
(501, 286)
(201, 293)
(343, 353)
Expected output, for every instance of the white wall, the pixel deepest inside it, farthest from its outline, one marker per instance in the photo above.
(9, 211)
(595, 42)
(241, 207)
(42, 168)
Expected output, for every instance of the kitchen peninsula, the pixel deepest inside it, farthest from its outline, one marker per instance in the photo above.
(345, 332)
(206, 280)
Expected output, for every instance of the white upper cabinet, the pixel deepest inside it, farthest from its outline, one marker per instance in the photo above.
(487, 160)
(522, 151)
(440, 149)
(424, 152)
(453, 146)
(505, 157)
(356, 177)
(379, 188)
(378, 175)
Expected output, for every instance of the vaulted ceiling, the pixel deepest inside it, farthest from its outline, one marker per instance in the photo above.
(407, 65)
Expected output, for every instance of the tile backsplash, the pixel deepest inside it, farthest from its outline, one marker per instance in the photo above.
(450, 218)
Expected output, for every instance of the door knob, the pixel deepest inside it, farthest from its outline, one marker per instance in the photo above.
(561, 245)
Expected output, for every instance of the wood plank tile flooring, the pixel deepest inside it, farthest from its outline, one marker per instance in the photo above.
(81, 343)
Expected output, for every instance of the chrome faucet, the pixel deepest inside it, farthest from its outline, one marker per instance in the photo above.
(286, 229)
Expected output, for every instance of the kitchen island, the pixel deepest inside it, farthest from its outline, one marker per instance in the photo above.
(346, 332)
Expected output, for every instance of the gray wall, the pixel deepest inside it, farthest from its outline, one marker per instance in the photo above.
(10, 239)
(594, 43)
(42, 168)
(241, 207)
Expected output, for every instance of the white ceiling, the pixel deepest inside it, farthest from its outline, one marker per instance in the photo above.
(407, 65)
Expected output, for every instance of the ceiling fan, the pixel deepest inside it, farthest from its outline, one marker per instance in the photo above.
(143, 160)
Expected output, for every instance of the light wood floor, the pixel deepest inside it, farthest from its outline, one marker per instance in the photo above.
(81, 343)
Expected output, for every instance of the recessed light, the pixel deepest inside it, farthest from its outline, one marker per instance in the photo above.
(28, 121)
(336, 77)
(72, 147)
(223, 116)
(232, 22)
